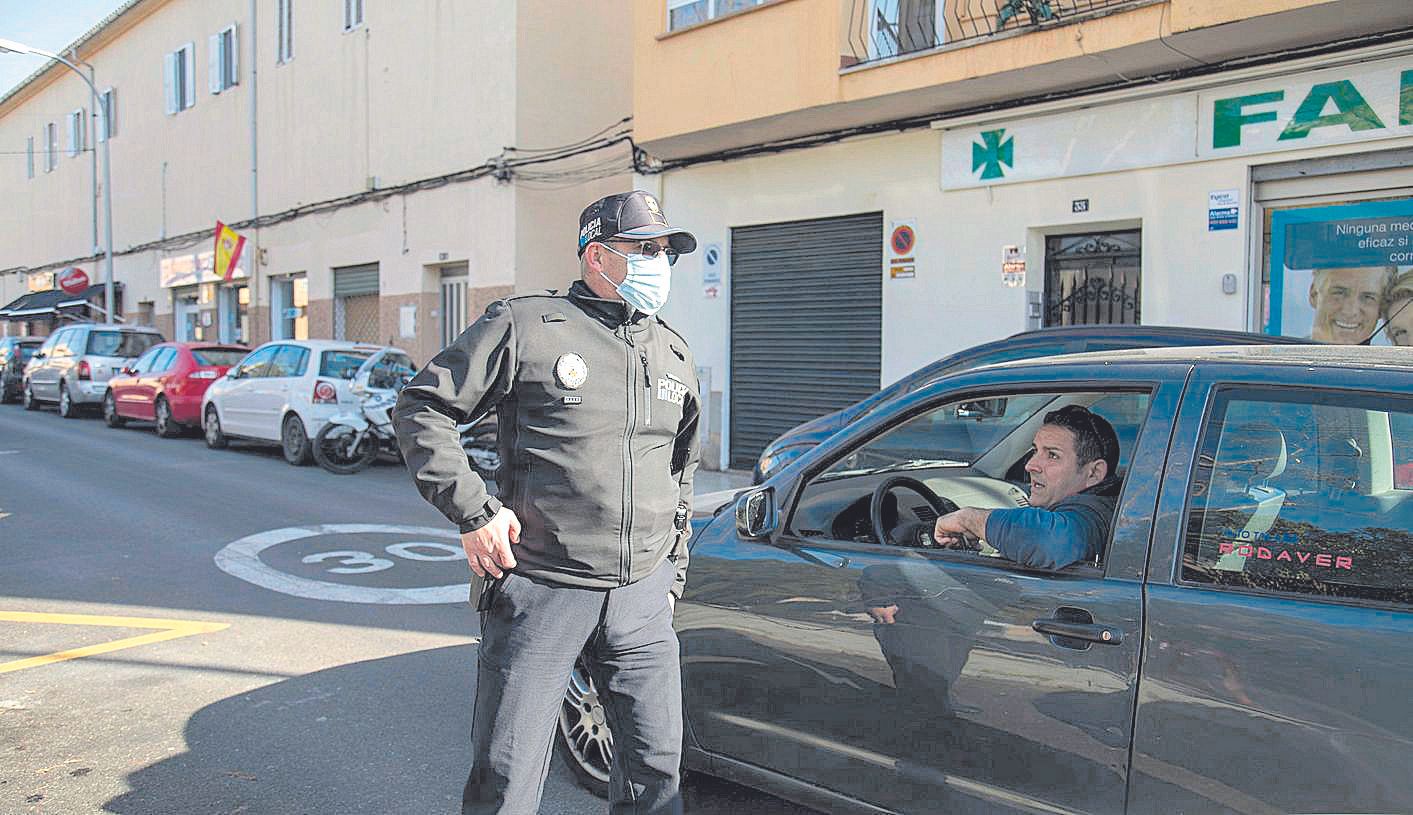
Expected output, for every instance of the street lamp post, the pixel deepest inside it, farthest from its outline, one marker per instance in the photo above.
(17, 48)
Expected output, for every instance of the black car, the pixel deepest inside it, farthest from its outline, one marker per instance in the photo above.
(1045, 342)
(1240, 642)
(14, 353)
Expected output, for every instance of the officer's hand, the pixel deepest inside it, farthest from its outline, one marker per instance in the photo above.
(488, 548)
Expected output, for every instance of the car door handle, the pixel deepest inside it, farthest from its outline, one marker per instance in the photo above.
(823, 558)
(1077, 630)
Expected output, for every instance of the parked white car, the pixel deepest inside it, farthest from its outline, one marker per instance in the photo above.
(284, 391)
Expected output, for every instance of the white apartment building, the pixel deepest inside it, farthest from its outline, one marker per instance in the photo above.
(393, 167)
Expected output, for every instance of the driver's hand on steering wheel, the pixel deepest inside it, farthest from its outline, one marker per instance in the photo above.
(957, 530)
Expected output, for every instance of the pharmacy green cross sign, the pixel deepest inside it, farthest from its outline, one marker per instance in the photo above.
(991, 152)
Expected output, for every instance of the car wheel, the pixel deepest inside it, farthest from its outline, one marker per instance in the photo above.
(162, 412)
(584, 739)
(110, 411)
(67, 408)
(30, 402)
(211, 429)
(294, 442)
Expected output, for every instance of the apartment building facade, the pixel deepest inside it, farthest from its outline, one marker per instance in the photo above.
(880, 183)
(393, 168)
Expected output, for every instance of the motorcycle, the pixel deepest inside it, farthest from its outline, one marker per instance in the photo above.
(350, 441)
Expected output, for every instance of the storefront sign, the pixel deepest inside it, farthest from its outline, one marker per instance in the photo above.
(1331, 267)
(188, 270)
(1223, 210)
(1356, 103)
(1094, 140)
(902, 241)
(1334, 106)
(1012, 267)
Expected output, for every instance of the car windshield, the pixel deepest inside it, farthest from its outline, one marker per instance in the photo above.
(120, 343)
(342, 364)
(224, 357)
(391, 370)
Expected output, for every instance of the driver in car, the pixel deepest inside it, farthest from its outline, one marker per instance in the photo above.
(1073, 494)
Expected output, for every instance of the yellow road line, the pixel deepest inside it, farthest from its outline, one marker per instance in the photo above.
(168, 630)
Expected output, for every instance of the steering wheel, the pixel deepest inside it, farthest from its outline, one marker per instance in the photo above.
(915, 530)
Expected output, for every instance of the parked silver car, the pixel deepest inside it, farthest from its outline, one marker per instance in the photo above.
(73, 366)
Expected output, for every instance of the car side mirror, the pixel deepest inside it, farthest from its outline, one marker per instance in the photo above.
(755, 514)
(128, 370)
(233, 373)
(39, 355)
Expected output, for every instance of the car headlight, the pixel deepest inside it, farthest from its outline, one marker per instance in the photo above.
(771, 462)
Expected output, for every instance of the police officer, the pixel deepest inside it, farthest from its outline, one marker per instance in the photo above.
(585, 550)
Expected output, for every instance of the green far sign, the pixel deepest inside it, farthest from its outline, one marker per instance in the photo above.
(1374, 100)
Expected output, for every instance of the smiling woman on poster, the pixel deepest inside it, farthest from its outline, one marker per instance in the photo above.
(1398, 310)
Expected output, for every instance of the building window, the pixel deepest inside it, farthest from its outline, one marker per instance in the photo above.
(284, 26)
(107, 114)
(180, 78)
(29, 157)
(352, 14)
(225, 60)
(684, 13)
(76, 140)
(51, 147)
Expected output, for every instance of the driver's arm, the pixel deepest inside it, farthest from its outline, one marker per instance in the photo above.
(957, 530)
(1047, 539)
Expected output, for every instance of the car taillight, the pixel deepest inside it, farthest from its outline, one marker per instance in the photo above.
(325, 394)
(84, 372)
(202, 375)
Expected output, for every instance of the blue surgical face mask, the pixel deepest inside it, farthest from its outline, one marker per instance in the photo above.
(647, 283)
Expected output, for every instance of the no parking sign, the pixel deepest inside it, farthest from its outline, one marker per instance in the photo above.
(902, 240)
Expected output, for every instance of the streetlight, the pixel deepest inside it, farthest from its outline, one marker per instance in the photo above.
(17, 48)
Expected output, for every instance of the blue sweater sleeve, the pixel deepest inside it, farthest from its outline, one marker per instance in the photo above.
(1044, 538)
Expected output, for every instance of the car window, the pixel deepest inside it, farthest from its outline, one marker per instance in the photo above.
(392, 370)
(27, 351)
(1304, 492)
(164, 360)
(120, 343)
(342, 364)
(971, 452)
(61, 342)
(290, 360)
(258, 361)
(144, 362)
(223, 357)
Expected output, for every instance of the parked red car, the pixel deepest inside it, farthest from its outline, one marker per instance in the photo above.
(165, 385)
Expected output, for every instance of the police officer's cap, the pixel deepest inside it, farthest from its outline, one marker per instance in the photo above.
(632, 215)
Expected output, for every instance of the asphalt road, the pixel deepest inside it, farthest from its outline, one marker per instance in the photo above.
(165, 649)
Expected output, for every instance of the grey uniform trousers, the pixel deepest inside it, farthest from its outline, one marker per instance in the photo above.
(530, 637)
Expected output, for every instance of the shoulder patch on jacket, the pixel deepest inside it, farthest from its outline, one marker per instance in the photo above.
(552, 317)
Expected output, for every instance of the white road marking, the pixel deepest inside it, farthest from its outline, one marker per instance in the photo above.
(241, 559)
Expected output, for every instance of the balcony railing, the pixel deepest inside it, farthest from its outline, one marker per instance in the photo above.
(883, 29)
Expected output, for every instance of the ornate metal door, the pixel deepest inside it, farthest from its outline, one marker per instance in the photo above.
(1092, 279)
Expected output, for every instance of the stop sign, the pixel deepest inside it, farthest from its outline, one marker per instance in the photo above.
(73, 280)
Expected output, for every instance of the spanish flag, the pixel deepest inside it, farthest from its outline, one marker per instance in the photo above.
(228, 246)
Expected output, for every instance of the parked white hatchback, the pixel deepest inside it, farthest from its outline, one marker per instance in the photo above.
(284, 391)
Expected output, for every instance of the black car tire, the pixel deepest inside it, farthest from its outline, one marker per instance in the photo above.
(582, 737)
(211, 429)
(30, 402)
(294, 440)
(162, 414)
(110, 411)
(67, 408)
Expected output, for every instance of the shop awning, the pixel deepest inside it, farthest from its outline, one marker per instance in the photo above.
(37, 304)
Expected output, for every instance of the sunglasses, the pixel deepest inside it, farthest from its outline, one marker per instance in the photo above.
(648, 249)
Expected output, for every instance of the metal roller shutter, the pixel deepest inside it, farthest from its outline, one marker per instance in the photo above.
(351, 281)
(806, 324)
